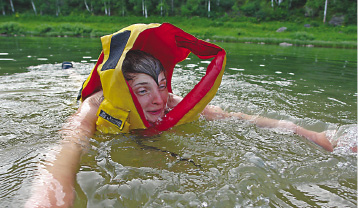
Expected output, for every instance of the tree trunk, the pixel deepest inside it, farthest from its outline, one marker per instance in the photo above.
(123, 5)
(143, 7)
(85, 1)
(12, 6)
(172, 7)
(109, 8)
(105, 7)
(146, 12)
(56, 8)
(33, 7)
(209, 8)
(325, 11)
(161, 8)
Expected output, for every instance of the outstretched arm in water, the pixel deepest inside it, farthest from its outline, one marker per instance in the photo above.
(214, 112)
(54, 186)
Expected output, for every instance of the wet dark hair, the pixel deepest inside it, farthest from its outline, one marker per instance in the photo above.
(137, 61)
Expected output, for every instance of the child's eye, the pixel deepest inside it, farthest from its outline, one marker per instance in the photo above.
(142, 91)
(162, 86)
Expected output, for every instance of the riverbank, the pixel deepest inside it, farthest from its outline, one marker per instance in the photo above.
(304, 33)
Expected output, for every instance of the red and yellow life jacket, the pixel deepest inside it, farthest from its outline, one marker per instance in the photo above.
(120, 110)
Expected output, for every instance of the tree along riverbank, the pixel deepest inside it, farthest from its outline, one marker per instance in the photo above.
(311, 33)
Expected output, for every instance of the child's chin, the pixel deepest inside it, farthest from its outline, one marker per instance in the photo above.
(154, 119)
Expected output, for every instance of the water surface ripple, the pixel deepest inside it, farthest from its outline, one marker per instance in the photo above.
(226, 163)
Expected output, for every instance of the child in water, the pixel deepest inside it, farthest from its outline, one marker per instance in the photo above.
(147, 79)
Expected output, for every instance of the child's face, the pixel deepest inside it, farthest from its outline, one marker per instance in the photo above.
(152, 97)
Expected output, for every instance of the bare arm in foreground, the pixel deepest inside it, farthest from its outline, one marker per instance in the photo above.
(56, 179)
(214, 112)
(54, 186)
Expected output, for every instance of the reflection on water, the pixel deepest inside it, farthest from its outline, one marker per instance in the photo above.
(223, 163)
(18, 53)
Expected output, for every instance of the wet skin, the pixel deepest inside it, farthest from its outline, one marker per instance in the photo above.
(152, 97)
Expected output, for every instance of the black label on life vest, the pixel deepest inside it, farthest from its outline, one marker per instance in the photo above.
(111, 119)
(118, 43)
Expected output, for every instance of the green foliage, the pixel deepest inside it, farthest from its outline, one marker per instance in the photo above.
(216, 24)
(74, 29)
(190, 8)
(11, 28)
(313, 7)
(242, 10)
(351, 15)
(241, 32)
(233, 29)
(65, 29)
(45, 28)
(351, 29)
(250, 8)
(314, 24)
(302, 36)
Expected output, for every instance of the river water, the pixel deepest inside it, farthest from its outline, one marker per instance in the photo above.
(226, 163)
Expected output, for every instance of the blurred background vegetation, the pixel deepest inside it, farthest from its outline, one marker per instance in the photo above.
(260, 10)
(331, 23)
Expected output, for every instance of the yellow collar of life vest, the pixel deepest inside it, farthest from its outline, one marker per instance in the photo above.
(120, 111)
